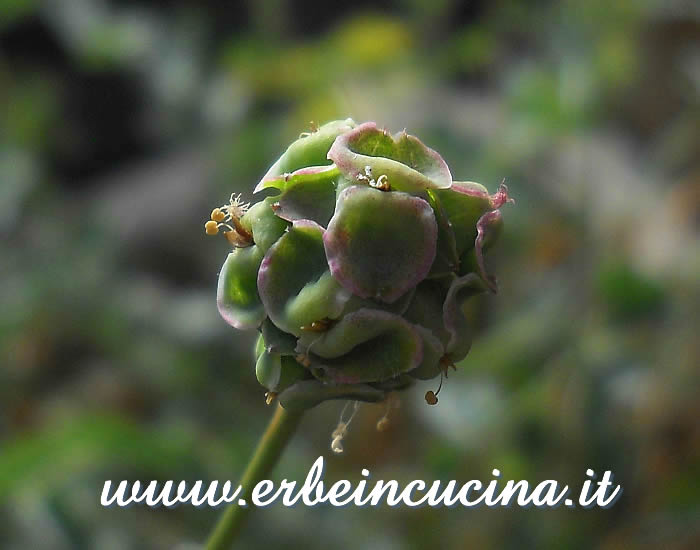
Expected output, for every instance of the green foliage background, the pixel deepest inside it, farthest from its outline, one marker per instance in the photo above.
(123, 123)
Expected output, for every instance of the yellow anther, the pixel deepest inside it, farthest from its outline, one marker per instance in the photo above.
(431, 398)
(211, 228)
(382, 183)
(383, 424)
(321, 325)
(217, 215)
(270, 397)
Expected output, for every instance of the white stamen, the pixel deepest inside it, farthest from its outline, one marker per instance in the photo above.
(341, 429)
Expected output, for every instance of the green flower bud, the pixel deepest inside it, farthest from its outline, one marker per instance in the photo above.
(357, 267)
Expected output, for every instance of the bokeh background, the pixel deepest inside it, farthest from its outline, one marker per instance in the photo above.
(123, 123)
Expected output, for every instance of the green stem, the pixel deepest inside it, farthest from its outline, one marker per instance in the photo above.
(278, 433)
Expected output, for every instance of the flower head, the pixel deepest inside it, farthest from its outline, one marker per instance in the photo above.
(356, 267)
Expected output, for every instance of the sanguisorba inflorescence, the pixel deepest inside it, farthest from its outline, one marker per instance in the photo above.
(356, 265)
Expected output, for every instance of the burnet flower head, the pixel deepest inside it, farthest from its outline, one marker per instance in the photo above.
(356, 266)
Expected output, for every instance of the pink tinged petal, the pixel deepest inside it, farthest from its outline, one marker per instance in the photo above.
(463, 204)
(408, 164)
(294, 282)
(476, 190)
(454, 318)
(470, 188)
(237, 294)
(488, 228)
(368, 345)
(308, 174)
(310, 150)
(446, 257)
(380, 244)
(309, 196)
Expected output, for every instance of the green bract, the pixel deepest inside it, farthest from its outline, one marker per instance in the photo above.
(357, 264)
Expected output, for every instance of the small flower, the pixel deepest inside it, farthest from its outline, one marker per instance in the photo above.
(228, 217)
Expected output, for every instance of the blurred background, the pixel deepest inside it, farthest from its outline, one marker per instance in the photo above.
(123, 123)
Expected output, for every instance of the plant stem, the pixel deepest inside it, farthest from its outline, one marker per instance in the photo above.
(278, 433)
